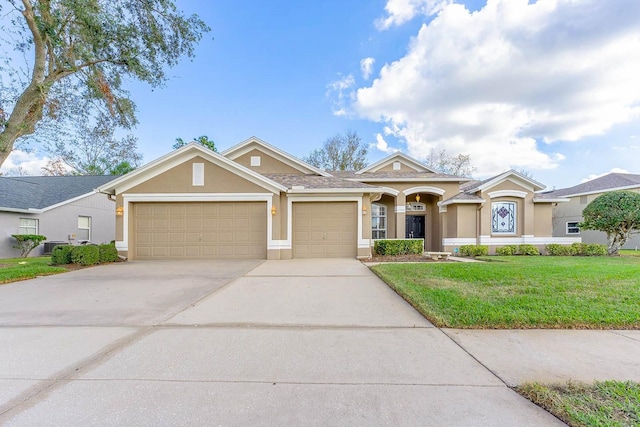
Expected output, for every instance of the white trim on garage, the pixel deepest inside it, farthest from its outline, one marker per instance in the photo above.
(287, 244)
(190, 197)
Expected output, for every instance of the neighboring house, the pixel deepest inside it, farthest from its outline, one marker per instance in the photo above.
(256, 201)
(567, 216)
(62, 208)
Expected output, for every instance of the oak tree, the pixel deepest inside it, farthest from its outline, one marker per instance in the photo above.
(87, 49)
(340, 153)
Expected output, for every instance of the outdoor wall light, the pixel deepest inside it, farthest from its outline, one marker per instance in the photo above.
(119, 211)
(273, 210)
(417, 197)
(364, 210)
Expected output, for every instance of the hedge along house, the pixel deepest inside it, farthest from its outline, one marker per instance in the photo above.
(256, 201)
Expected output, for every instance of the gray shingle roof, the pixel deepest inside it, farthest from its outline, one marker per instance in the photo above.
(607, 182)
(39, 192)
(314, 181)
(464, 197)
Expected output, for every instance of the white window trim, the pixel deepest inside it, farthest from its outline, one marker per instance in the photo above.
(379, 216)
(85, 228)
(37, 226)
(515, 220)
(575, 226)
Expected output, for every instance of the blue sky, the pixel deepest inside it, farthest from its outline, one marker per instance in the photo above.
(549, 87)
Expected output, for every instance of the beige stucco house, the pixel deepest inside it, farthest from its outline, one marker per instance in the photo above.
(256, 201)
(567, 216)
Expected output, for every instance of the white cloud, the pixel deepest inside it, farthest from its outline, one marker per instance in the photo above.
(382, 145)
(342, 91)
(594, 176)
(401, 11)
(27, 163)
(366, 66)
(498, 82)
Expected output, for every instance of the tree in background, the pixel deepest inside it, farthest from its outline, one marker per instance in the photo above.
(617, 213)
(441, 161)
(85, 50)
(96, 151)
(202, 140)
(340, 153)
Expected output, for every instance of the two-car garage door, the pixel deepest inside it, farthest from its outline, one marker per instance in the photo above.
(200, 230)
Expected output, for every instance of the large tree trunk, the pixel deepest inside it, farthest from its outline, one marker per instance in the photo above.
(23, 119)
(616, 241)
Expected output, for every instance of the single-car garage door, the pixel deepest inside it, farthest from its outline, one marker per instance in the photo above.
(325, 230)
(200, 230)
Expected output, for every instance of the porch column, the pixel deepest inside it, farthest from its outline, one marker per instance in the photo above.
(400, 208)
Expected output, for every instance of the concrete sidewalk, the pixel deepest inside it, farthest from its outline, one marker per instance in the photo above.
(313, 342)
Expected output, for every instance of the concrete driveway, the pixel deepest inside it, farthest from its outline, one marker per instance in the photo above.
(308, 342)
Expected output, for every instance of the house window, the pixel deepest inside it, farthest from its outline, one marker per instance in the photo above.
(503, 217)
(84, 228)
(28, 226)
(378, 221)
(572, 228)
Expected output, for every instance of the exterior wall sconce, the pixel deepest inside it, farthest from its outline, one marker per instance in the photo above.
(364, 210)
(119, 211)
(417, 197)
(273, 210)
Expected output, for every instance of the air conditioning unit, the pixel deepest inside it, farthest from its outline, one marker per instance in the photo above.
(48, 246)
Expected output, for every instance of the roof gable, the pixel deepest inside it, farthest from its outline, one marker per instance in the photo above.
(509, 175)
(255, 143)
(397, 157)
(179, 156)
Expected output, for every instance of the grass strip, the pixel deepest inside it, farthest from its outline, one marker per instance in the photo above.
(606, 403)
(14, 269)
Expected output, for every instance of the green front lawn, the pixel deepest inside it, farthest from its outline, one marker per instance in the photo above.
(14, 269)
(523, 292)
(629, 252)
(607, 403)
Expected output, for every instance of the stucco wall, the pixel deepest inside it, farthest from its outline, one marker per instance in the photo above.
(57, 224)
(572, 212)
(268, 164)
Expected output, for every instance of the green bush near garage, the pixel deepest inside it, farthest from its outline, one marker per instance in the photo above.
(85, 255)
(108, 252)
(398, 247)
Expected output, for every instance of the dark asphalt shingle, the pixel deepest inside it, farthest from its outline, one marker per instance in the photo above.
(39, 192)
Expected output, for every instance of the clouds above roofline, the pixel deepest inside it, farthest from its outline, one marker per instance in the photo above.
(507, 81)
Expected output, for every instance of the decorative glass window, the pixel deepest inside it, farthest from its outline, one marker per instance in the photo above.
(572, 228)
(84, 228)
(503, 217)
(378, 221)
(28, 226)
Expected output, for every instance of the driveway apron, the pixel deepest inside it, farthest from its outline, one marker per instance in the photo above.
(313, 342)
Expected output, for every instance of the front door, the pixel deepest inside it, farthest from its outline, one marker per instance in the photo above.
(414, 226)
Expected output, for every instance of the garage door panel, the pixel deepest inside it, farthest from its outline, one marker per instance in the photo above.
(200, 230)
(324, 229)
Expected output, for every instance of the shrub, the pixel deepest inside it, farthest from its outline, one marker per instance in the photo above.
(399, 247)
(593, 249)
(474, 250)
(555, 249)
(507, 250)
(579, 248)
(528, 250)
(27, 242)
(589, 249)
(61, 254)
(108, 252)
(85, 254)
